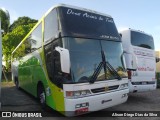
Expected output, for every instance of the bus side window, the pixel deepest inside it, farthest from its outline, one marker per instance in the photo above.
(56, 63)
(50, 26)
(36, 38)
(57, 68)
(27, 46)
(48, 56)
(53, 61)
(49, 51)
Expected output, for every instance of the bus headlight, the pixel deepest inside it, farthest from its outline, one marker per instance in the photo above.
(124, 86)
(79, 93)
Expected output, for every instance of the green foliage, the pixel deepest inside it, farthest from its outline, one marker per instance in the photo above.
(14, 37)
(4, 21)
(22, 21)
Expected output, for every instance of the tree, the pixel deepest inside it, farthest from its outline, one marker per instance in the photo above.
(22, 21)
(14, 37)
(4, 20)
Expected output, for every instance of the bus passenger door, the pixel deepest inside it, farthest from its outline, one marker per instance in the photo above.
(58, 81)
(54, 73)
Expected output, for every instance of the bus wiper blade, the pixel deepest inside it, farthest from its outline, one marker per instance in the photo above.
(109, 66)
(96, 73)
(104, 64)
(113, 70)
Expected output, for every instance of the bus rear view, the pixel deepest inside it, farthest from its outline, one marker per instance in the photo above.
(140, 60)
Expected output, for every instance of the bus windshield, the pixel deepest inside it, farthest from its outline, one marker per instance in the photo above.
(142, 40)
(79, 23)
(85, 55)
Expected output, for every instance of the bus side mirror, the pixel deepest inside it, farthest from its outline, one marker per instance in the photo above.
(64, 59)
(130, 59)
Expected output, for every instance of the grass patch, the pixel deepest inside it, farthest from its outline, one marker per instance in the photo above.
(7, 84)
(3, 80)
(158, 83)
(158, 79)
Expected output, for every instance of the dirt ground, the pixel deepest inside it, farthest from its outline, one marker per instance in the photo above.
(18, 100)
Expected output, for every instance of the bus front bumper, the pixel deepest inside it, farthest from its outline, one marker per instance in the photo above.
(141, 87)
(74, 107)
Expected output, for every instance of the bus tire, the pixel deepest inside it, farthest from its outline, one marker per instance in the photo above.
(41, 96)
(17, 83)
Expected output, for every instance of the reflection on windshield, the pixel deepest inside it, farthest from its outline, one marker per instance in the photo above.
(113, 53)
(85, 55)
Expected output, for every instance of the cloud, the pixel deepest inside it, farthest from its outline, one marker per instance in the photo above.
(13, 15)
(157, 28)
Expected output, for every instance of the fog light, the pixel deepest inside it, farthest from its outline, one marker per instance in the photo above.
(84, 104)
(78, 105)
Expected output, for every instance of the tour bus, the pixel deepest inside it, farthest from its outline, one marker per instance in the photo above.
(140, 60)
(72, 60)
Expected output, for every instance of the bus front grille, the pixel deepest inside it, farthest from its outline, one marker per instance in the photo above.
(103, 89)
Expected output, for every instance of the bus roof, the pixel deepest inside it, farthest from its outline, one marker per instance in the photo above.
(75, 7)
(130, 29)
(56, 6)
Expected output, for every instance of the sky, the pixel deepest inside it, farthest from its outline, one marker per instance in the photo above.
(136, 14)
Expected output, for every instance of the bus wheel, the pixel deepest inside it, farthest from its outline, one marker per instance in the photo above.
(17, 83)
(42, 96)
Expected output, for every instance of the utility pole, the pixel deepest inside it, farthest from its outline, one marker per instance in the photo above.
(1, 68)
(0, 57)
(0, 51)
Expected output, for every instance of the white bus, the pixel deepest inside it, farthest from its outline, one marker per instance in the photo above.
(71, 60)
(140, 60)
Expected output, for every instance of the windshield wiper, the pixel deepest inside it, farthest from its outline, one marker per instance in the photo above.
(111, 69)
(109, 66)
(96, 73)
(104, 64)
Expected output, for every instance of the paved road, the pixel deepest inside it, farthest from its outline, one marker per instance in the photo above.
(18, 100)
